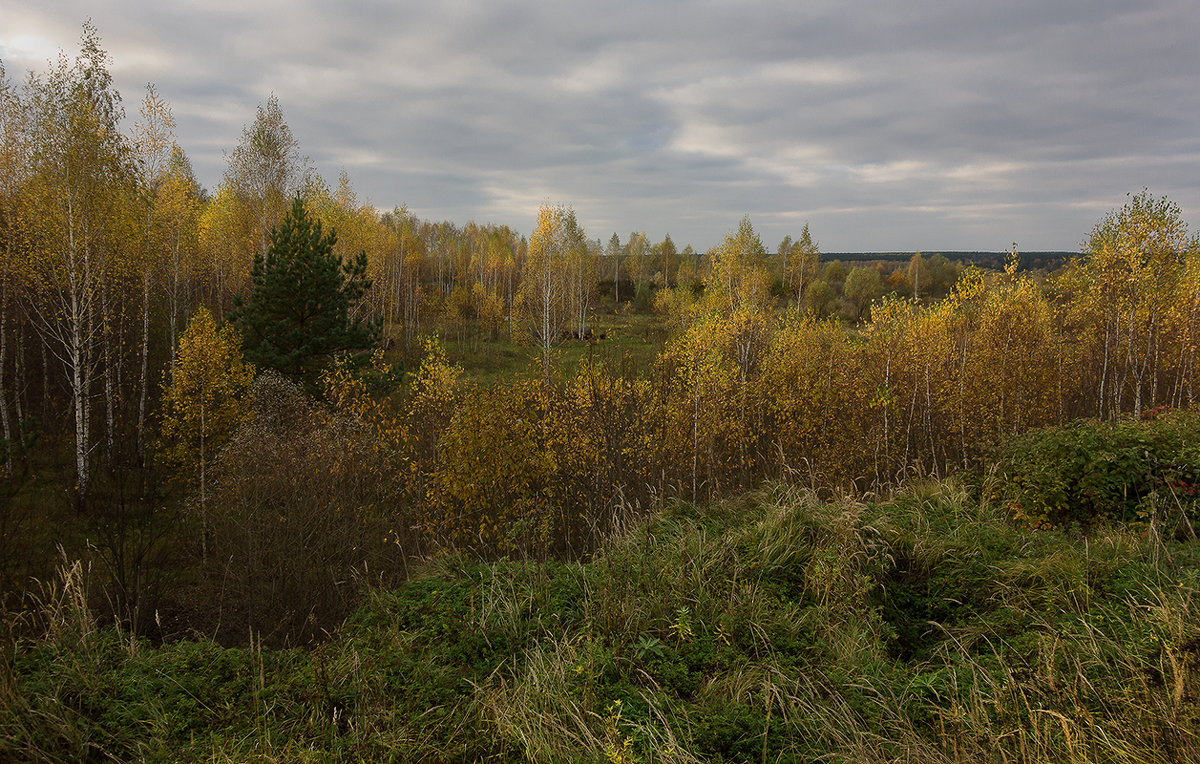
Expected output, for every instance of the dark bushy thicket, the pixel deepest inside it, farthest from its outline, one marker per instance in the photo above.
(302, 514)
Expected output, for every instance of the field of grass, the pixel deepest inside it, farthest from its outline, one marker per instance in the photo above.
(631, 342)
(770, 628)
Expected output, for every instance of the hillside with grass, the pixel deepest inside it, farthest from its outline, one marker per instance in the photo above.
(778, 626)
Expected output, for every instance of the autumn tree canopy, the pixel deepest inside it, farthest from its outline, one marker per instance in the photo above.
(542, 306)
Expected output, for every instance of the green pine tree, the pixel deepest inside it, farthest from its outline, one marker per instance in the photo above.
(298, 315)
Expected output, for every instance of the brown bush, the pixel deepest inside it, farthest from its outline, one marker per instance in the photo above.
(303, 512)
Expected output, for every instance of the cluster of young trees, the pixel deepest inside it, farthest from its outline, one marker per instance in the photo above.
(743, 391)
(849, 292)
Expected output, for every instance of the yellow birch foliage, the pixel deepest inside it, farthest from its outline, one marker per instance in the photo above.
(1124, 298)
(435, 394)
(358, 230)
(224, 238)
(175, 231)
(489, 309)
(816, 396)
(350, 394)
(693, 417)
(540, 308)
(678, 305)
(1010, 364)
(953, 377)
(1183, 329)
(739, 270)
(610, 410)
(515, 471)
(931, 346)
(204, 397)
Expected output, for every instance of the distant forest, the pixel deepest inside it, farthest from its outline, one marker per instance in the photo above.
(1044, 260)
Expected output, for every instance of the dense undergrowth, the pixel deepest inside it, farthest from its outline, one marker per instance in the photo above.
(774, 627)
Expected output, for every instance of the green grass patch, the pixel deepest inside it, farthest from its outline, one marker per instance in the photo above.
(631, 341)
(773, 627)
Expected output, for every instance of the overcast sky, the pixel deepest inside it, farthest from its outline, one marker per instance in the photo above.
(916, 125)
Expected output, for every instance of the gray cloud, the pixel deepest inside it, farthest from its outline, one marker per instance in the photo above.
(920, 125)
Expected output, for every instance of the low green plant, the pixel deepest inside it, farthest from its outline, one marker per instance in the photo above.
(1094, 472)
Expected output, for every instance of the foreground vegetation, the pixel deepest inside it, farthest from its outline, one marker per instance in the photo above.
(773, 627)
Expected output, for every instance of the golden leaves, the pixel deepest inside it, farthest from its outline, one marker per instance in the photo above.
(204, 397)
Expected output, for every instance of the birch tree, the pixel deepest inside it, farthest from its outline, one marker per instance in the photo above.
(265, 172)
(542, 304)
(80, 176)
(613, 253)
(739, 270)
(154, 136)
(1124, 290)
(176, 226)
(637, 261)
(583, 275)
(203, 400)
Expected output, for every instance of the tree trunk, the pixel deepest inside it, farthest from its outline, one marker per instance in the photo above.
(141, 424)
(109, 369)
(4, 422)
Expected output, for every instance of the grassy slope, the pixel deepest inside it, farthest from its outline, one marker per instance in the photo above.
(770, 628)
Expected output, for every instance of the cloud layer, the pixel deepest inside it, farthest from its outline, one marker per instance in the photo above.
(885, 126)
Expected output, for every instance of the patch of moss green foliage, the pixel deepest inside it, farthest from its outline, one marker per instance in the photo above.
(1092, 472)
(774, 627)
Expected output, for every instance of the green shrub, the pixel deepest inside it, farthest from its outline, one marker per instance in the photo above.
(1091, 472)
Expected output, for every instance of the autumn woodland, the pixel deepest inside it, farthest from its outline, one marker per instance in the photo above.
(270, 414)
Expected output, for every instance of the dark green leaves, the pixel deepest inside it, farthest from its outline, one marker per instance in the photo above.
(298, 315)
